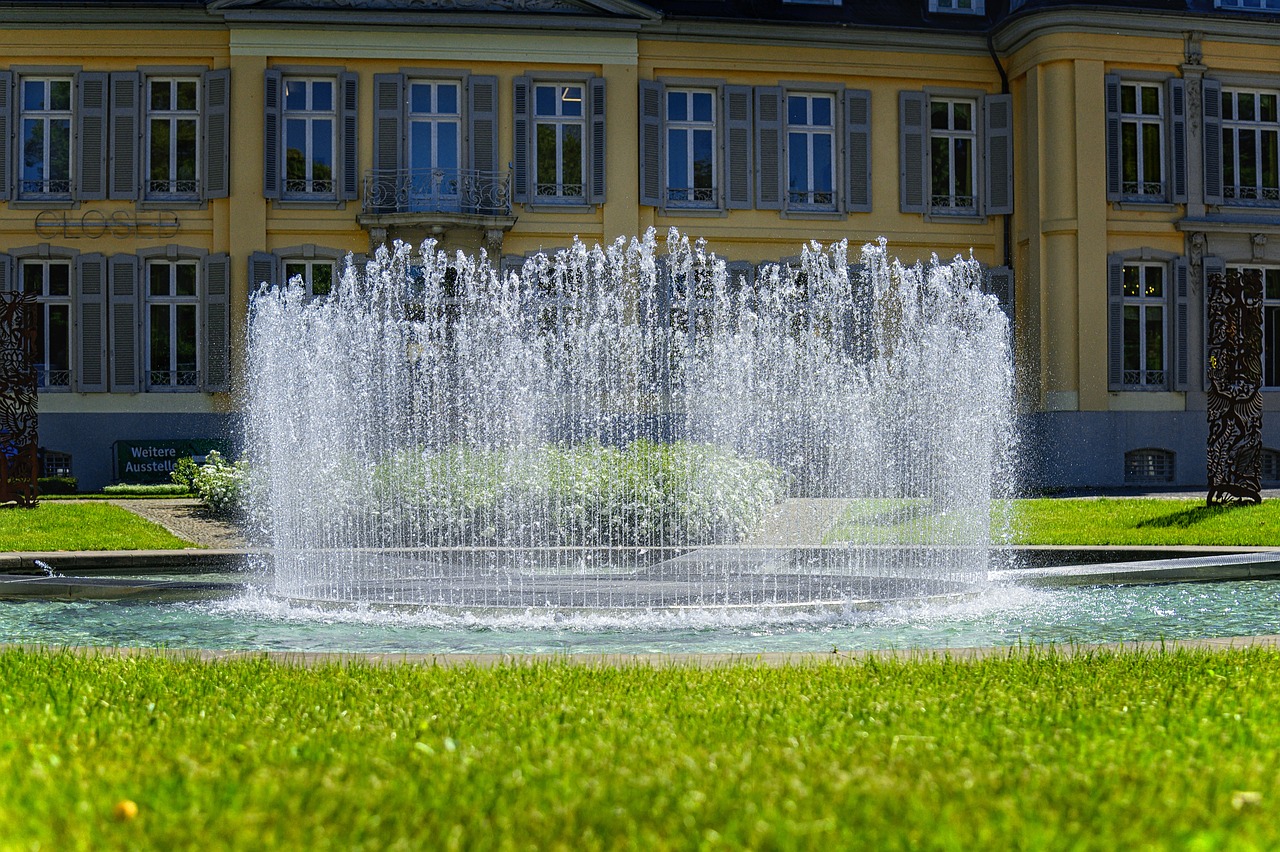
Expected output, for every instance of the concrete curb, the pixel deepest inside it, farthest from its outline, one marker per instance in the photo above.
(1237, 566)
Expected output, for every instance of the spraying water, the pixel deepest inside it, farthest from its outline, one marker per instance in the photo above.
(618, 427)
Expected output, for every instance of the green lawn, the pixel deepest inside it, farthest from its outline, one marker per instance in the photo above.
(1106, 520)
(1032, 751)
(81, 526)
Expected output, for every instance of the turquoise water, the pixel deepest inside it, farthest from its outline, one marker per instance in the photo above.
(1000, 616)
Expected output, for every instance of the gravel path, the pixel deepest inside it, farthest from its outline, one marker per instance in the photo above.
(187, 519)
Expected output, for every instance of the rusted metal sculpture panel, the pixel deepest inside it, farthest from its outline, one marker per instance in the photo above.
(1235, 387)
(18, 438)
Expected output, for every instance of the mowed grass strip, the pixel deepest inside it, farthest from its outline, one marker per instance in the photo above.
(1109, 520)
(1036, 750)
(82, 526)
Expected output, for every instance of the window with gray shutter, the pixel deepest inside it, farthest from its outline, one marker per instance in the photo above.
(217, 323)
(388, 139)
(1114, 169)
(997, 111)
(1115, 322)
(348, 135)
(1212, 107)
(769, 148)
(482, 118)
(8, 276)
(262, 270)
(739, 131)
(6, 129)
(596, 180)
(91, 136)
(857, 124)
(1181, 321)
(522, 139)
(125, 315)
(217, 133)
(272, 87)
(913, 153)
(1176, 93)
(126, 91)
(652, 177)
(91, 323)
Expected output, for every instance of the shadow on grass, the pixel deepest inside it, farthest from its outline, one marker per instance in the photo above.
(1188, 517)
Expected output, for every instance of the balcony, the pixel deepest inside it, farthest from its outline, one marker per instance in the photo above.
(413, 203)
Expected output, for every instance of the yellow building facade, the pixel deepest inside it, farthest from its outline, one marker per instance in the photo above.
(163, 159)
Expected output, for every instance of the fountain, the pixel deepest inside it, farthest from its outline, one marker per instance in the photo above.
(620, 429)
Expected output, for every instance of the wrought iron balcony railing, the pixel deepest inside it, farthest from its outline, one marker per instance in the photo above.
(437, 191)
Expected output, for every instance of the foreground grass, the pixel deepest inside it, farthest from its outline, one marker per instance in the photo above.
(1033, 751)
(1103, 520)
(82, 526)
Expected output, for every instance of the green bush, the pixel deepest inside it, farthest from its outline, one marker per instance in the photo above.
(184, 473)
(127, 489)
(57, 485)
(222, 486)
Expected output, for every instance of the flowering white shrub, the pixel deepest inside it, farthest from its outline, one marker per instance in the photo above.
(222, 486)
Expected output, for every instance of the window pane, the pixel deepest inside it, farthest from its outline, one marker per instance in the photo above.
(1155, 281)
(185, 273)
(186, 341)
(322, 150)
(420, 97)
(1270, 178)
(295, 152)
(963, 116)
(60, 94)
(1155, 337)
(420, 145)
(544, 100)
(822, 163)
(702, 106)
(447, 98)
(546, 154)
(1228, 158)
(33, 94)
(1271, 283)
(186, 151)
(797, 110)
(571, 102)
(159, 341)
(939, 118)
(702, 159)
(160, 92)
(295, 270)
(822, 112)
(60, 153)
(964, 170)
(186, 94)
(295, 94)
(1267, 108)
(158, 275)
(1150, 100)
(1132, 338)
(1133, 281)
(33, 279)
(940, 166)
(33, 150)
(322, 95)
(677, 159)
(1248, 165)
(447, 146)
(1129, 151)
(58, 337)
(1271, 345)
(321, 279)
(59, 279)
(1228, 106)
(798, 162)
(573, 155)
(1151, 159)
(160, 149)
(1244, 106)
(1129, 99)
(677, 106)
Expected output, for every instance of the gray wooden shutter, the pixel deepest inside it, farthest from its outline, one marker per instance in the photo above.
(126, 323)
(653, 179)
(482, 106)
(857, 126)
(770, 174)
(1211, 103)
(522, 139)
(739, 165)
(1115, 186)
(349, 135)
(91, 136)
(126, 140)
(913, 152)
(91, 323)
(596, 186)
(388, 135)
(997, 113)
(8, 275)
(1000, 284)
(217, 323)
(217, 133)
(1181, 319)
(6, 128)
(262, 270)
(1115, 322)
(1176, 95)
(272, 89)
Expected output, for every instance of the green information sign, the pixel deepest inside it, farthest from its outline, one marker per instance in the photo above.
(142, 462)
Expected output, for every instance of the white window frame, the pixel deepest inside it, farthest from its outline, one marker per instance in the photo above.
(806, 132)
(305, 269)
(309, 187)
(951, 203)
(1145, 378)
(49, 188)
(698, 197)
(48, 380)
(1264, 133)
(440, 189)
(1141, 122)
(177, 380)
(172, 187)
(559, 189)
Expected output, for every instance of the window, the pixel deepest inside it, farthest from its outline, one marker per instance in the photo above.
(50, 282)
(559, 131)
(172, 324)
(1250, 128)
(1270, 465)
(173, 137)
(310, 122)
(435, 128)
(691, 148)
(953, 155)
(1142, 140)
(1261, 5)
(316, 276)
(1144, 325)
(1148, 465)
(959, 7)
(811, 149)
(1146, 140)
(53, 463)
(1270, 323)
(46, 137)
